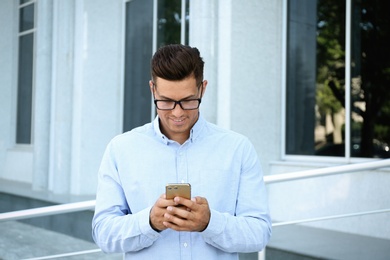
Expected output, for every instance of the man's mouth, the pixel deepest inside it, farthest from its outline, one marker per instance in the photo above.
(178, 121)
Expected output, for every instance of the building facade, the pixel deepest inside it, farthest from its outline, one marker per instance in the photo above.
(301, 78)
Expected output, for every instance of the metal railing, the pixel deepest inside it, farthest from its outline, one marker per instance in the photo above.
(85, 252)
(326, 171)
(269, 179)
(48, 210)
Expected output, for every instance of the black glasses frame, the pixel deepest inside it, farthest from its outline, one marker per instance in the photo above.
(177, 102)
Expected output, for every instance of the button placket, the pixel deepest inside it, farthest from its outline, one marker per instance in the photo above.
(185, 245)
(181, 165)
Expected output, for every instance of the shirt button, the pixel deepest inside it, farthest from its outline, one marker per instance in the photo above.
(185, 244)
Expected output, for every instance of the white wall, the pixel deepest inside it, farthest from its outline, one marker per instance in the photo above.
(42, 94)
(7, 75)
(333, 195)
(77, 93)
(204, 35)
(98, 88)
(241, 45)
(256, 75)
(15, 161)
(95, 93)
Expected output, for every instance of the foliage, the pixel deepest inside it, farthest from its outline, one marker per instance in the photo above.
(370, 68)
(169, 22)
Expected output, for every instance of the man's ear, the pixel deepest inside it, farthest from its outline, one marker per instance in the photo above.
(151, 86)
(204, 87)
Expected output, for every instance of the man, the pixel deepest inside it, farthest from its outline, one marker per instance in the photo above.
(228, 212)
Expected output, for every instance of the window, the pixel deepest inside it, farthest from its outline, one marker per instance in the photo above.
(338, 78)
(138, 51)
(139, 42)
(169, 23)
(25, 72)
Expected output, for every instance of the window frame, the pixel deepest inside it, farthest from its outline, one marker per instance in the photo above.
(183, 35)
(317, 158)
(183, 40)
(20, 34)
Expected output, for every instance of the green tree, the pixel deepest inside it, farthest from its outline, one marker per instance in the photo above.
(370, 67)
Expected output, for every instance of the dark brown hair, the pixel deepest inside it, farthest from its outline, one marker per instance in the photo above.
(177, 62)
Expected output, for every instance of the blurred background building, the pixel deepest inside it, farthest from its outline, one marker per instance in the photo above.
(307, 81)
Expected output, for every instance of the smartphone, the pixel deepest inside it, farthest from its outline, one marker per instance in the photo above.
(178, 190)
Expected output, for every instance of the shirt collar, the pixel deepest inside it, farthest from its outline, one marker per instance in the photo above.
(197, 128)
(194, 133)
(156, 127)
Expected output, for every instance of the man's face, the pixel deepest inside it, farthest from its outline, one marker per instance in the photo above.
(177, 123)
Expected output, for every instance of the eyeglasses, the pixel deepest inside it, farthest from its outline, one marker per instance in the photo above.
(186, 104)
(189, 104)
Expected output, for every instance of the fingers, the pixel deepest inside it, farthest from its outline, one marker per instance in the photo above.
(186, 202)
(156, 214)
(195, 217)
(180, 214)
(179, 219)
(191, 204)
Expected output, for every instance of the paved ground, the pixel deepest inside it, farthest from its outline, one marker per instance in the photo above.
(300, 242)
(23, 241)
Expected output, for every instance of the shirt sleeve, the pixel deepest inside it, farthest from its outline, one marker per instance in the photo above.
(114, 228)
(249, 228)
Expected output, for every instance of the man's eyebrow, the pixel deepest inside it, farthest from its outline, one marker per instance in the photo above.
(170, 99)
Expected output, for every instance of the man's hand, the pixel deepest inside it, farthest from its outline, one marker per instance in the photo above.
(194, 216)
(156, 215)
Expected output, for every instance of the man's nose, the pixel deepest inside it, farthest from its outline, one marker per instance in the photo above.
(177, 110)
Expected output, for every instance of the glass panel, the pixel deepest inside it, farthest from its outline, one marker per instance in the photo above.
(24, 1)
(138, 52)
(315, 78)
(370, 83)
(301, 76)
(330, 79)
(25, 77)
(26, 18)
(169, 22)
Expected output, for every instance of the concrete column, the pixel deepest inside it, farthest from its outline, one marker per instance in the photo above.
(61, 96)
(210, 31)
(224, 63)
(97, 88)
(8, 75)
(204, 36)
(42, 94)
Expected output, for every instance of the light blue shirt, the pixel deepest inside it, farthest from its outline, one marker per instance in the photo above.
(220, 165)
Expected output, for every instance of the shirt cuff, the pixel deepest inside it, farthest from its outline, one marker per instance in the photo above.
(216, 224)
(144, 225)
